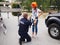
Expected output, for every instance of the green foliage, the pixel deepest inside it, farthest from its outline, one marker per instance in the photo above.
(15, 13)
(15, 6)
(27, 3)
(53, 2)
(45, 5)
(58, 5)
(1, 0)
(1, 5)
(39, 2)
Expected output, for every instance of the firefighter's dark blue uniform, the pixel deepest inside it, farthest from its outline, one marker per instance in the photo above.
(23, 29)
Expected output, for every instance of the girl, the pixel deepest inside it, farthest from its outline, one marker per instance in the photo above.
(35, 14)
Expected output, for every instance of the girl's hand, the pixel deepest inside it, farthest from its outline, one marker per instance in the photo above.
(35, 22)
(40, 13)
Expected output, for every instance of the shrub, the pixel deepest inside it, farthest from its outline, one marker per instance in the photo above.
(15, 6)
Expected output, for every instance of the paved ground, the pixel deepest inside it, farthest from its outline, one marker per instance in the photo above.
(11, 37)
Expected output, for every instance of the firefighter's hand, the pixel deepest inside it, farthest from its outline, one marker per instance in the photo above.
(29, 18)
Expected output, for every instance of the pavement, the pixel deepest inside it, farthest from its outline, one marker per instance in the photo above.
(12, 37)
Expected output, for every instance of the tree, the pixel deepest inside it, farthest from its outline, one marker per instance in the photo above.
(22, 1)
(58, 5)
(53, 2)
(16, 13)
(27, 3)
(1, 0)
(45, 5)
(15, 6)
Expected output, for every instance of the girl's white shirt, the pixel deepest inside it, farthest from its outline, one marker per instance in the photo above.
(35, 13)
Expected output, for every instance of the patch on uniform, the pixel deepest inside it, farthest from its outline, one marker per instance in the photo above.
(21, 22)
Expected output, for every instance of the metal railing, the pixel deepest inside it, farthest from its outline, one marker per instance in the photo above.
(7, 9)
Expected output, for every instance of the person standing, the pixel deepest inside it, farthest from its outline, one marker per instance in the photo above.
(35, 14)
(24, 28)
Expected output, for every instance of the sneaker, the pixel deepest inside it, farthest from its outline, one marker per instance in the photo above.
(20, 41)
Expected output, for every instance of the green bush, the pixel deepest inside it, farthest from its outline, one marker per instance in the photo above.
(14, 13)
(1, 0)
(15, 6)
(1, 5)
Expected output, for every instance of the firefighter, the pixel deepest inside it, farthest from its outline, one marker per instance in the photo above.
(24, 28)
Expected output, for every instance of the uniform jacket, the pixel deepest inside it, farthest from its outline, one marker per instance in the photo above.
(24, 25)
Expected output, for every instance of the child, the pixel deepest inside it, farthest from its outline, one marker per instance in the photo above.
(35, 14)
